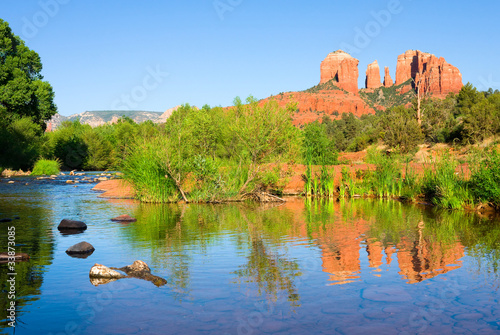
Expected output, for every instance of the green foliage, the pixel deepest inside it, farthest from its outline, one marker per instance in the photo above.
(480, 121)
(318, 148)
(20, 143)
(388, 97)
(328, 86)
(46, 167)
(444, 187)
(386, 180)
(145, 168)
(400, 129)
(485, 181)
(23, 94)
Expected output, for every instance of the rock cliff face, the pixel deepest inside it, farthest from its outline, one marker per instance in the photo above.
(387, 78)
(373, 76)
(343, 69)
(433, 74)
(338, 92)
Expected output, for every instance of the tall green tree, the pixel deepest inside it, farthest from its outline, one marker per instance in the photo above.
(26, 101)
(23, 93)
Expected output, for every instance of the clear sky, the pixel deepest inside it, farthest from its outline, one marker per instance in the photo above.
(153, 55)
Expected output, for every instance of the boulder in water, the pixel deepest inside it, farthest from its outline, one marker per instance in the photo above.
(66, 224)
(124, 218)
(81, 248)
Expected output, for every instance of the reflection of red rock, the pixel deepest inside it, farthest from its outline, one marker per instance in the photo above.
(387, 78)
(343, 68)
(373, 75)
(341, 248)
(421, 260)
(437, 76)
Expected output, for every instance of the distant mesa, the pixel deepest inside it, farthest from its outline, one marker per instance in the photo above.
(99, 118)
(338, 93)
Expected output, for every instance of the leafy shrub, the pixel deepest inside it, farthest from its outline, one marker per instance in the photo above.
(485, 181)
(46, 167)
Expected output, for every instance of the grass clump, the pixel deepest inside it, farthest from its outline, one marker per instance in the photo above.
(145, 170)
(445, 187)
(46, 167)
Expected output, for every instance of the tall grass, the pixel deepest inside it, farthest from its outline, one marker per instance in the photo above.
(46, 167)
(444, 186)
(144, 168)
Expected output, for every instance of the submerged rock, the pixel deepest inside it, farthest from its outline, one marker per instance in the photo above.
(124, 218)
(18, 257)
(101, 271)
(138, 269)
(82, 248)
(66, 224)
(141, 270)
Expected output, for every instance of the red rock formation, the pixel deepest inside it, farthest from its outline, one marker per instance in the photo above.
(434, 74)
(343, 68)
(373, 76)
(387, 78)
(330, 102)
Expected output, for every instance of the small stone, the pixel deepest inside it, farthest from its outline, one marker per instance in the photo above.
(124, 218)
(70, 182)
(71, 224)
(81, 248)
(53, 176)
(101, 271)
(11, 182)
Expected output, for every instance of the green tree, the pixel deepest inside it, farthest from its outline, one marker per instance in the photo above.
(400, 129)
(23, 93)
(317, 146)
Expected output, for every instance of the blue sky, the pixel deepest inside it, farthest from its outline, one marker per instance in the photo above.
(153, 55)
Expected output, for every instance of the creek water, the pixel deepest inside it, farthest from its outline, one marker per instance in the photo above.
(303, 267)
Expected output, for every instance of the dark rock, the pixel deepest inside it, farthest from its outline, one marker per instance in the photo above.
(18, 257)
(80, 248)
(71, 224)
(124, 218)
(5, 220)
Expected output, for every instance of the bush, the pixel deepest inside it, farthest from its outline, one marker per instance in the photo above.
(485, 181)
(46, 167)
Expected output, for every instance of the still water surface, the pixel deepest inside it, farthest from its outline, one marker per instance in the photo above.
(305, 267)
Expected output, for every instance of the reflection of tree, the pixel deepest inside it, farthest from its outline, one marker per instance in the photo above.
(33, 236)
(270, 271)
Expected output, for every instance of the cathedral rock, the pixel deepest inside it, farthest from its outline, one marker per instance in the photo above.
(341, 67)
(373, 76)
(434, 74)
(338, 91)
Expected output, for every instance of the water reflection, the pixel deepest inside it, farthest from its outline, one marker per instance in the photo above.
(422, 243)
(33, 236)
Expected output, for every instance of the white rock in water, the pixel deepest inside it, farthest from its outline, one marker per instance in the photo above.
(101, 271)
